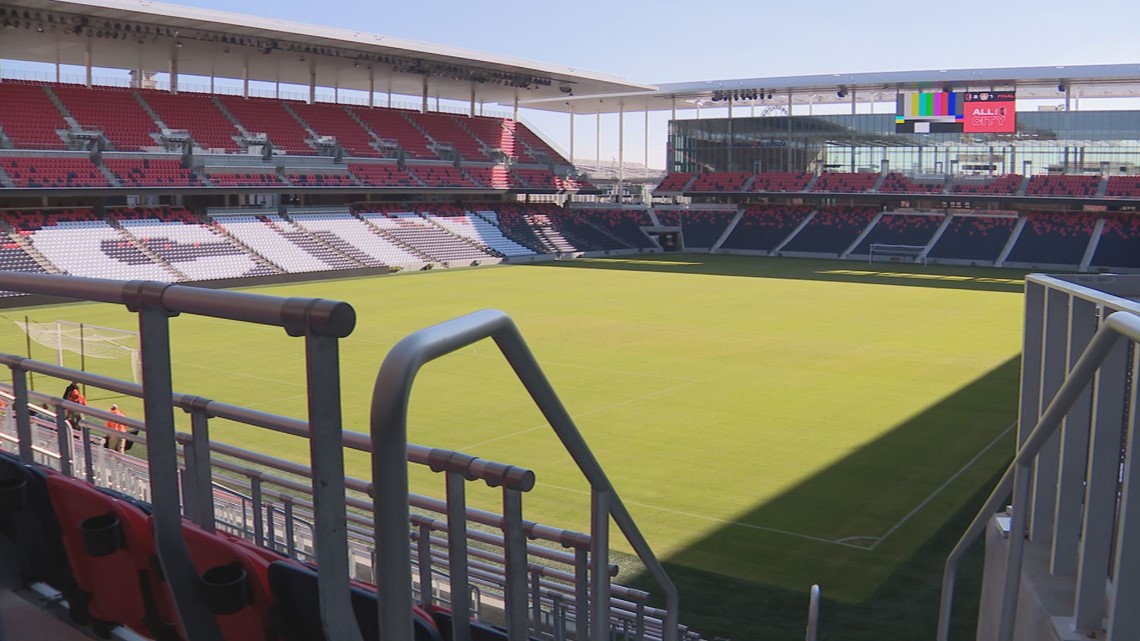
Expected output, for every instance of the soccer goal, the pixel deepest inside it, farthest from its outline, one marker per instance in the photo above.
(89, 341)
(897, 252)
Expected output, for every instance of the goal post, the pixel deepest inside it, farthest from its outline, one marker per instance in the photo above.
(88, 341)
(914, 252)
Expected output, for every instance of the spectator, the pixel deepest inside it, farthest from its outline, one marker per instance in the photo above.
(114, 441)
(75, 396)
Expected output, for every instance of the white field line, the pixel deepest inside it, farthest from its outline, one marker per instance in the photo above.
(935, 493)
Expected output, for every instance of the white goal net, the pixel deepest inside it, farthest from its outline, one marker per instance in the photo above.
(89, 341)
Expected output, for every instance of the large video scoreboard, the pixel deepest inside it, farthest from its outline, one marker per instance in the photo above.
(949, 112)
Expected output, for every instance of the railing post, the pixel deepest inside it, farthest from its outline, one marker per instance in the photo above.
(1053, 369)
(599, 565)
(162, 463)
(1123, 613)
(581, 593)
(258, 506)
(457, 557)
(88, 458)
(63, 440)
(515, 565)
(423, 551)
(202, 482)
(23, 420)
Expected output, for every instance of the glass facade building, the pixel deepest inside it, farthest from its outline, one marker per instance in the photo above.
(1056, 142)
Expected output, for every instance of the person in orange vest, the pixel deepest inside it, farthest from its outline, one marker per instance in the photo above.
(75, 396)
(112, 441)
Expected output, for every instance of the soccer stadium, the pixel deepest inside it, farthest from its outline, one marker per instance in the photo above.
(310, 334)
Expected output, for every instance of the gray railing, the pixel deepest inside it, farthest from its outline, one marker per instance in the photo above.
(389, 470)
(1069, 488)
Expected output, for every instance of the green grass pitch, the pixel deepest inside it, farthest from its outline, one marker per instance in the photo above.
(771, 421)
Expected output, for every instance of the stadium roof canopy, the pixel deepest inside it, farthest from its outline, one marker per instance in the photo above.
(146, 36)
(1087, 81)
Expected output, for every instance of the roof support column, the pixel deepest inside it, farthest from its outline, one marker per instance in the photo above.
(647, 136)
(515, 117)
(598, 139)
(245, 79)
(87, 62)
(312, 81)
(571, 134)
(57, 72)
(424, 104)
(669, 134)
(389, 93)
(472, 99)
(698, 110)
(336, 93)
(174, 69)
(853, 102)
(371, 87)
(621, 149)
(277, 89)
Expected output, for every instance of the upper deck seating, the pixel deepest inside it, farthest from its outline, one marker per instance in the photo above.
(112, 110)
(763, 227)
(244, 177)
(846, 183)
(73, 170)
(780, 181)
(497, 177)
(197, 114)
(1123, 187)
(492, 133)
(320, 178)
(899, 184)
(391, 125)
(901, 229)
(674, 182)
(1119, 244)
(832, 229)
(1076, 186)
(29, 118)
(536, 149)
(268, 116)
(974, 238)
(701, 227)
(1054, 238)
(1004, 185)
(442, 176)
(445, 130)
(148, 172)
(721, 181)
(334, 120)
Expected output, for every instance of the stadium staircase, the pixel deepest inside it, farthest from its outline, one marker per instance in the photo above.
(5, 179)
(225, 234)
(922, 256)
(810, 186)
(728, 230)
(863, 234)
(112, 179)
(1102, 187)
(1094, 242)
(16, 237)
(795, 232)
(1024, 186)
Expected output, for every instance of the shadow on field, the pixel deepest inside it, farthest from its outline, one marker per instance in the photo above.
(940, 276)
(903, 607)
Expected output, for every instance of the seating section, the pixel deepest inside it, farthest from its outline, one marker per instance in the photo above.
(147, 172)
(378, 175)
(831, 230)
(479, 230)
(1004, 185)
(847, 183)
(899, 184)
(702, 228)
(72, 171)
(391, 125)
(197, 114)
(356, 238)
(492, 133)
(674, 182)
(441, 176)
(334, 120)
(29, 118)
(94, 249)
(623, 224)
(537, 150)
(322, 178)
(112, 110)
(763, 227)
(668, 217)
(439, 245)
(192, 248)
(1053, 238)
(1119, 244)
(444, 129)
(1075, 186)
(253, 177)
(299, 252)
(1123, 187)
(900, 229)
(269, 116)
(497, 177)
(781, 181)
(514, 223)
(974, 238)
(722, 181)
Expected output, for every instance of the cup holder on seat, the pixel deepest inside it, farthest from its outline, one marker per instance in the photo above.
(102, 534)
(13, 495)
(226, 588)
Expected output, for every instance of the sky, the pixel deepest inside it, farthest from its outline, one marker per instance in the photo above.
(658, 41)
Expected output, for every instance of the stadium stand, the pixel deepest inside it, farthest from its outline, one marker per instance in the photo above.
(701, 227)
(320, 178)
(474, 227)
(1119, 244)
(831, 230)
(438, 244)
(1004, 185)
(356, 238)
(668, 217)
(197, 114)
(383, 175)
(764, 227)
(445, 130)
(151, 172)
(514, 222)
(392, 126)
(896, 183)
(272, 118)
(536, 149)
(497, 177)
(192, 248)
(623, 224)
(973, 238)
(265, 234)
(781, 181)
(335, 120)
(441, 176)
(674, 182)
(244, 177)
(112, 110)
(721, 181)
(1072, 186)
(1056, 238)
(845, 182)
(493, 133)
(900, 229)
(72, 170)
(1123, 187)
(29, 119)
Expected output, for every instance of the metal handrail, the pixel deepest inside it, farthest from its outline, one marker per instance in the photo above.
(813, 615)
(1118, 325)
(389, 469)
